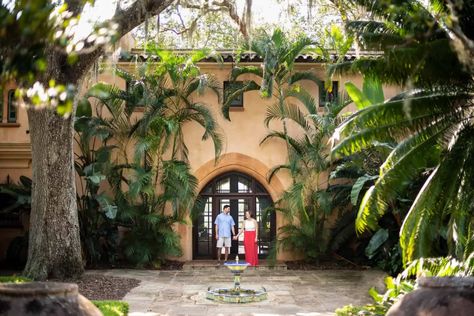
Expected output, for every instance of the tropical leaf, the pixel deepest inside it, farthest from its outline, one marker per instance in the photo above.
(359, 186)
(377, 240)
(285, 111)
(372, 89)
(247, 86)
(440, 189)
(359, 98)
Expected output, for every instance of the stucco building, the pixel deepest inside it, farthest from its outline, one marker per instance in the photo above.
(238, 178)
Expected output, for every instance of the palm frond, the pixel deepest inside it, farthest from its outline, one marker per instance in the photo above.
(397, 118)
(297, 144)
(204, 117)
(286, 111)
(244, 70)
(247, 86)
(296, 48)
(401, 166)
(438, 193)
(274, 170)
(304, 75)
(309, 102)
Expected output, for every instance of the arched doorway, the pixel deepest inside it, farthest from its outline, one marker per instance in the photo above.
(242, 193)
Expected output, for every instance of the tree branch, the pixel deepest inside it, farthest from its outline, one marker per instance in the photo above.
(126, 19)
(134, 15)
(225, 5)
(462, 44)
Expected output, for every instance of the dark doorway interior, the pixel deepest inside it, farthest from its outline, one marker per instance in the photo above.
(242, 193)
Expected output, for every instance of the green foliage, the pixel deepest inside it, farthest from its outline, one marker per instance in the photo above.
(22, 55)
(98, 229)
(112, 308)
(151, 237)
(15, 203)
(431, 122)
(304, 205)
(16, 197)
(13, 279)
(29, 32)
(164, 91)
(440, 267)
(404, 283)
(376, 241)
(359, 171)
(279, 53)
(396, 288)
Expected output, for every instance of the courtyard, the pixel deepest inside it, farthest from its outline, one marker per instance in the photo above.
(139, 138)
(290, 292)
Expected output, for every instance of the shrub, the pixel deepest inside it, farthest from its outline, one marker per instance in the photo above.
(13, 279)
(405, 283)
(112, 308)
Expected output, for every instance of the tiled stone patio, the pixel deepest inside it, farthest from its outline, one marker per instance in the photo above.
(302, 293)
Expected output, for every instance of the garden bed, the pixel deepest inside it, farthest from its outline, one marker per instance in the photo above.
(102, 287)
(166, 265)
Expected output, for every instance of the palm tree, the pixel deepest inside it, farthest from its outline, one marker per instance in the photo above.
(278, 78)
(165, 91)
(431, 122)
(305, 205)
(301, 204)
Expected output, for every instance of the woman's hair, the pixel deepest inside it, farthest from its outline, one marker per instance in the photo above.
(251, 214)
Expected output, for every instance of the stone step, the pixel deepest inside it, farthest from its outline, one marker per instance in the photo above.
(212, 265)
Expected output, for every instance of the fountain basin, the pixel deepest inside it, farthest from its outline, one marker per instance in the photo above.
(237, 266)
(237, 296)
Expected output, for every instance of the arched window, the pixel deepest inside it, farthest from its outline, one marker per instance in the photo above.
(242, 193)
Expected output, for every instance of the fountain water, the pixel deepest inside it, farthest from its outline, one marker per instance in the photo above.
(236, 294)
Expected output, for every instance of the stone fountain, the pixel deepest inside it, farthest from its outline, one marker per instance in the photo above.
(236, 294)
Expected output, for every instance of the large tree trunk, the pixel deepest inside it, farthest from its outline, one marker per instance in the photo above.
(54, 241)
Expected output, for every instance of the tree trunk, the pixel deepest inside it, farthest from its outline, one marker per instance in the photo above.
(54, 242)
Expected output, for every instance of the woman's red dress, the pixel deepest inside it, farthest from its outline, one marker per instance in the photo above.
(250, 246)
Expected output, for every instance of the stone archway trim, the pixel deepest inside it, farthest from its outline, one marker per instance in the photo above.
(227, 163)
(240, 163)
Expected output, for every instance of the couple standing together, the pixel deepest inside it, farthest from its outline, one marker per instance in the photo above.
(225, 224)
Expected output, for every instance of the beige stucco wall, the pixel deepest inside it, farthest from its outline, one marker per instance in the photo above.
(15, 149)
(242, 136)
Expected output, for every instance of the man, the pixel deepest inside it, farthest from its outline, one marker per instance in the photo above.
(224, 224)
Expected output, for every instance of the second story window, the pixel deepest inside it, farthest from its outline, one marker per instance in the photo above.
(328, 95)
(229, 88)
(11, 107)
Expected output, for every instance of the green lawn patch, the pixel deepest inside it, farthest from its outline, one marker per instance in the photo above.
(13, 279)
(112, 308)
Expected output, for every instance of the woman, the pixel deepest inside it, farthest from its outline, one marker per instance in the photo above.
(250, 230)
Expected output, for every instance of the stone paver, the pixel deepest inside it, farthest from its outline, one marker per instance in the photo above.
(290, 292)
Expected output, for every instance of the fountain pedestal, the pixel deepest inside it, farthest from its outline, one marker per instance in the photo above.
(236, 294)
